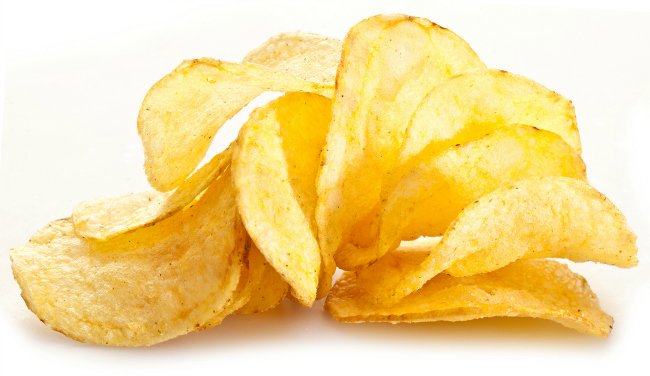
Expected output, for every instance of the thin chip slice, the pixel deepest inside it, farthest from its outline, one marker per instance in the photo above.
(267, 289)
(182, 112)
(432, 193)
(274, 171)
(108, 217)
(532, 218)
(260, 287)
(308, 56)
(389, 63)
(250, 278)
(470, 105)
(140, 288)
(543, 289)
(465, 108)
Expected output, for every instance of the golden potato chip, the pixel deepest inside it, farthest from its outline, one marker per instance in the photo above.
(251, 276)
(533, 218)
(274, 170)
(308, 56)
(267, 287)
(108, 217)
(388, 64)
(182, 112)
(431, 194)
(470, 105)
(542, 289)
(465, 108)
(140, 288)
(260, 287)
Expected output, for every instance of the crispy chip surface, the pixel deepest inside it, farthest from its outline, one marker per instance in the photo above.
(182, 112)
(465, 108)
(140, 288)
(533, 218)
(468, 106)
(247, 293)
(267, 286)
(274, 170)
(108, 217)
(389, 63)
(433, 192)
(308, 56)
(536, 288)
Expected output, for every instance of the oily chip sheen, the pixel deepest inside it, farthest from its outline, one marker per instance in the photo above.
(389, 63)
(274, 170)
(140, 288)
(542, 289)
(429, 196)
(555, 217)
(108, 217)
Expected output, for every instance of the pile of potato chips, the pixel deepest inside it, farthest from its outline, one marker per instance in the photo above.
(440, 185)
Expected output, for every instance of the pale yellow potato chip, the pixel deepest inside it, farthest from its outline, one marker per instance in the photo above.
(532, 218)
(542, 289)
(182, 112)
(143, 287)
(470, 105)
(274, 170)
(388, 64)
(434, 191)
(108, 217)
(308, 56)
(267, 286)
(250, 278)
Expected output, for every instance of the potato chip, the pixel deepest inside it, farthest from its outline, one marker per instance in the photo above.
(542, 289)
(140, 288)
(431, 194)
(267, 286)
(274, 170)
(465, 108)
(533, 218)
(253, 274)
(108, 217)
(260, 287)
(182, 112)
(470, 105)
(308, 56)
(389, 63)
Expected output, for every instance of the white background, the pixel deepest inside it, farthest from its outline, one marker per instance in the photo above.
(76, 73)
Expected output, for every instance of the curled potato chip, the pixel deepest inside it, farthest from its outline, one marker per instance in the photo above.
(432, 193)
(535, 288)
(260, 288)
(465, 108)
(140, 288)
(388, 64)
(308, 56)
(108, 217)
(274, 170)
(182, 112)
(470, 105)
(267, 286)
(532, 218)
